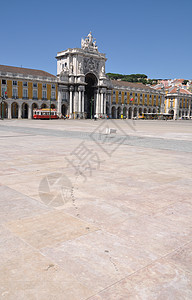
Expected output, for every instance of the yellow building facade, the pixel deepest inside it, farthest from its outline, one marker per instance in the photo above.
(23, 90)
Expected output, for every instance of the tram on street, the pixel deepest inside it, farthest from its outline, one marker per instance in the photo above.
(45, 114)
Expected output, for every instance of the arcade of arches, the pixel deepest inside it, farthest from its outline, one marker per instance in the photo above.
(21, 110)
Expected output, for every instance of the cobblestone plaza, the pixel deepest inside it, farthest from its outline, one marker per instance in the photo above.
(89, 215)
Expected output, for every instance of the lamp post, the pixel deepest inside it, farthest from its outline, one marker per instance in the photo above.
(50, 110)
(2, 107)
(92, 99)
(123, 105)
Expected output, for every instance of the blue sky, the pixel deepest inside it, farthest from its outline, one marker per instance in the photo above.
(150, 37)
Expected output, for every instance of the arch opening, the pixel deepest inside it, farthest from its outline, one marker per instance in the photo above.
(90, 99)
(14, 110)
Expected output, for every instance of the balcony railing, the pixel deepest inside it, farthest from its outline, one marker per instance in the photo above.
(25, 98)
(35, 98)
(53, 99)
(43, 98)
(14, 97)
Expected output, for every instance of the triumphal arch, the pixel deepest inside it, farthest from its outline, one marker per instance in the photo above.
(83, 87)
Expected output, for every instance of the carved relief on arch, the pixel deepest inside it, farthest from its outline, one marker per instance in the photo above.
(90, 64)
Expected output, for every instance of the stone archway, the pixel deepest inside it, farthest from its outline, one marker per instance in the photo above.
(125, 112)
(130, 113)
(140, 111)
(52, 106)
(24, 110)
(3, 110)
(14, 110)
(119, 112)
(64, 110)
(43, 105)
(171, 112)
(90, 105)
(107, 111)
(135, 112)
(113, 112)
(33, 107)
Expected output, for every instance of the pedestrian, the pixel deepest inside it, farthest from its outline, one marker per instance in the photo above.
(95, 117)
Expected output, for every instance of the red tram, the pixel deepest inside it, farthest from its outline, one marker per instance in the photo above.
(45, 114)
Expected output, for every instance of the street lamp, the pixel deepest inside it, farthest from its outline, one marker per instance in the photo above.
(92, 100)
(2, 107)
(50, 110)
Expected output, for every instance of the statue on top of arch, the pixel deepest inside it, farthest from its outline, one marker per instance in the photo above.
(89, 43)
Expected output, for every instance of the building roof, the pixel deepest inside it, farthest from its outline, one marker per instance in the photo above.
(178, 80)
(25, 71)
(174, 90)
(130, 84)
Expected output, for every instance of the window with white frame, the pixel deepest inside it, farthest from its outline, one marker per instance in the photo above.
(14, 93)
(44, 94)
(34, 94)
(34, 84)
(53, 95)
(3, 91)
(44, 85)
(53, 86)
(14, 82)
(25, 93)
(4, 81)
(24, 83)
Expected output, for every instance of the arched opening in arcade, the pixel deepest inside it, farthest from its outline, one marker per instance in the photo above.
(124, 112)
(130, 113)
(90, 105)
(107, 111)
(119, 113)
(52, 106)
(113, 112)
(3, 110)
(34, 106)
(135, 112)
(64, 110)
(24, 110)
(171, 112)
(140, 111)
(14, 110)
(43, 106)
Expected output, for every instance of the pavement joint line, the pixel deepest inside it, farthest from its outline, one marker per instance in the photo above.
(143, 268)
(39, 252)
(128, 140)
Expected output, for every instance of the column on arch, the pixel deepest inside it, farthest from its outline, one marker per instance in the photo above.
(102, 106)
(9, 111)
(80, 101)
(104, 103)
(97, 104)
(83, 102)
(19, 110)
(29, 111)
(71, 101)
(59, 100)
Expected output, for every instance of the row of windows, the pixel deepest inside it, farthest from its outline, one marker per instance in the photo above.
(25, 84)
(131, 94)
(25, 93)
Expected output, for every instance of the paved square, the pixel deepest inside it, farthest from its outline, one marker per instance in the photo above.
(84, 215)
